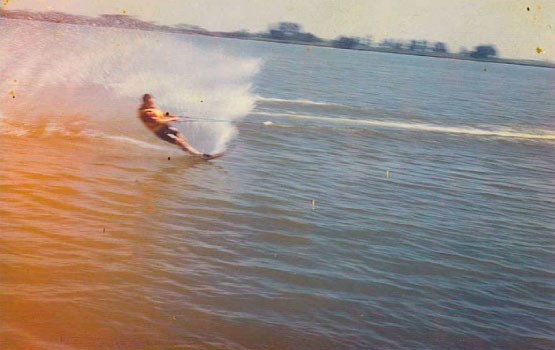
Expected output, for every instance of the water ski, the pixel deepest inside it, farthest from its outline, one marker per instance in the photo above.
(212, 156)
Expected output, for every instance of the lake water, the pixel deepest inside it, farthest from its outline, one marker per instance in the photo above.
(367, 200)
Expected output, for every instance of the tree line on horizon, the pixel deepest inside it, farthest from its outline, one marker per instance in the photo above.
(289, 31)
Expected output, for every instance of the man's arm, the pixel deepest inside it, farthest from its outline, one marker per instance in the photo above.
(165, 119)
(171, 117)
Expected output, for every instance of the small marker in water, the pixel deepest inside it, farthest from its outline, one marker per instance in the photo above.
(313, 204)
(387, 174)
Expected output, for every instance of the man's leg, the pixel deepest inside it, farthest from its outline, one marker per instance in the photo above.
(181, 142)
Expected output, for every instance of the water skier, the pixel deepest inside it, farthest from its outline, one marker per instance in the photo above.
(159, 123)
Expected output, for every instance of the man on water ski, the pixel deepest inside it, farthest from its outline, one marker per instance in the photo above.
(159, 124)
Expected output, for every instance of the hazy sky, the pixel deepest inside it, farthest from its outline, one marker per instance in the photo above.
(516, 31)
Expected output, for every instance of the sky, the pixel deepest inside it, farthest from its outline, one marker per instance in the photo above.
(519, 28)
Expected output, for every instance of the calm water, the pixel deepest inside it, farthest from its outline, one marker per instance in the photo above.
(432, 180)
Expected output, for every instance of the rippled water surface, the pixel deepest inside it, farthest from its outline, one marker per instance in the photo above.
(367, 201)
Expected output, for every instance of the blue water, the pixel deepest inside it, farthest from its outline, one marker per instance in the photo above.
(454, 249)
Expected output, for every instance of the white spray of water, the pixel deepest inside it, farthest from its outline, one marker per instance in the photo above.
(63, 73)
(498, 132)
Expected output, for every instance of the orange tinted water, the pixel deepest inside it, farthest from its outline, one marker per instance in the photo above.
(77, 243)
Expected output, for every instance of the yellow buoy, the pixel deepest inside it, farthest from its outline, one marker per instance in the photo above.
(387, 174)
(313, 204)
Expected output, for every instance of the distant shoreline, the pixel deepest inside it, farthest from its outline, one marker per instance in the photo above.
(127, 22)
(328, 44)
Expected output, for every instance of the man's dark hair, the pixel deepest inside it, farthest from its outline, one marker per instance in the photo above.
(146, 97)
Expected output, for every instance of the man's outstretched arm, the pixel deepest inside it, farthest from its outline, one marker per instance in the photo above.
(165, 119)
